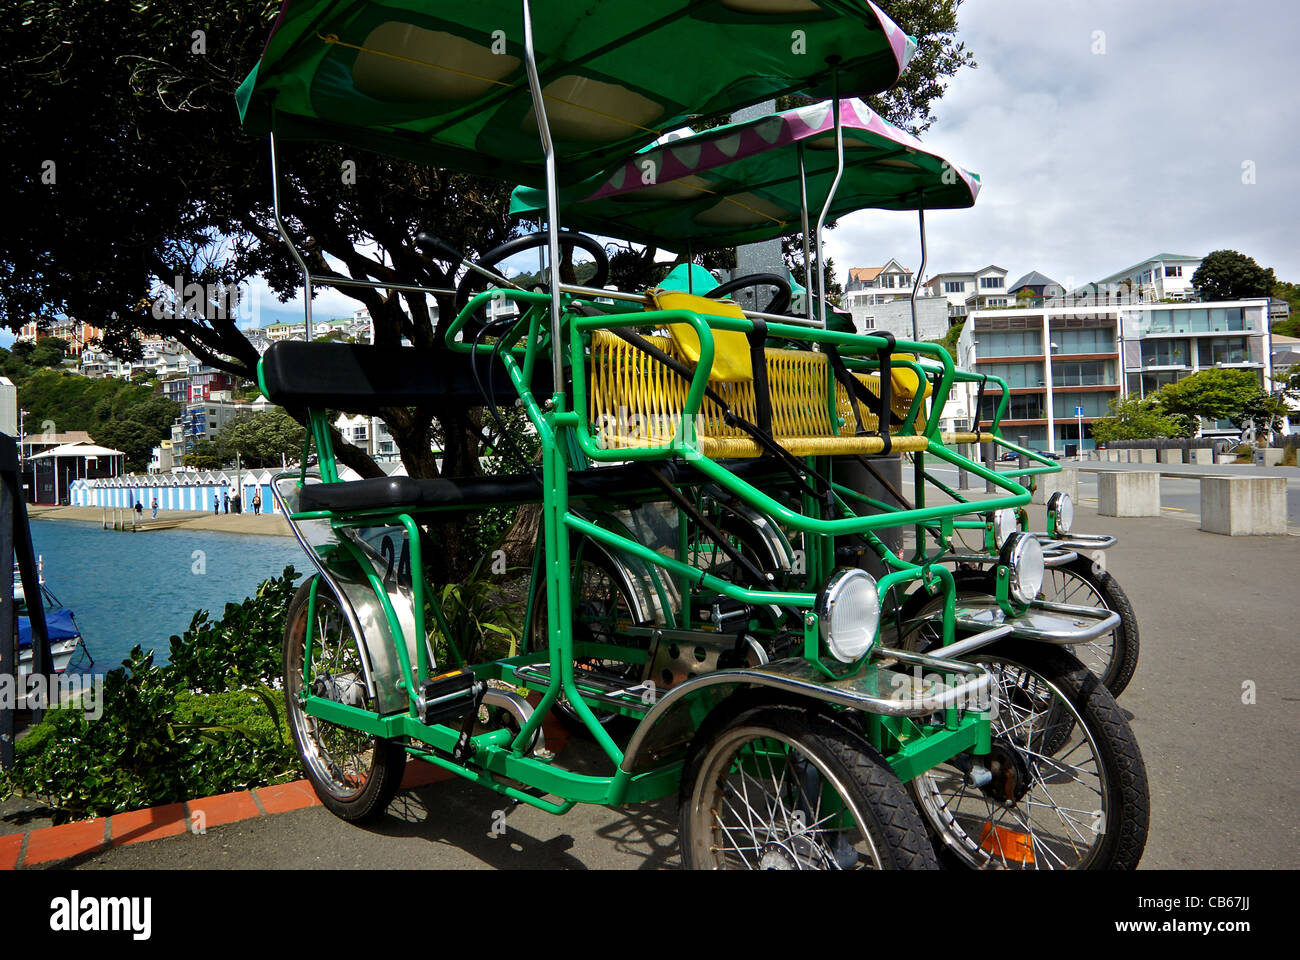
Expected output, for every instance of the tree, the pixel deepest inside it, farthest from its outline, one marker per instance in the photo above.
(129, 178)
(1136, 418)
(206, 455)
(1229, 275)
(1220, 394)
(1290, 292)
(262, 439)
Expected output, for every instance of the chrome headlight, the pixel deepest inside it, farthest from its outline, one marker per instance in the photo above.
(1023, 556)
(1004, 525)
(1061, 507)
(849, 613)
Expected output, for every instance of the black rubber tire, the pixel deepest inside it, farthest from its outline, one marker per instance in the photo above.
(1126, 808)
(1124, 655)
(387, 763)
(884, 810)
(536, 639)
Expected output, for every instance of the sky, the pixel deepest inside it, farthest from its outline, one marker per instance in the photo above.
(1105, 132)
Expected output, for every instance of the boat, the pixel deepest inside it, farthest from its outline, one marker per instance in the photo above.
(60, 623)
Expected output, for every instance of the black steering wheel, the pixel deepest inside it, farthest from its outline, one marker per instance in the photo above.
(780, 301)
(474, 282)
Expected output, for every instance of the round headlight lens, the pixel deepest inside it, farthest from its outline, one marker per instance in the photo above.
(1023, 554)
(1062, 508)
(1004, 525)
(849, 614)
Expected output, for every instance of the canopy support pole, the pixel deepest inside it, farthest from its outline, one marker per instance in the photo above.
(803, 220)
(552, 194)
(830, 196)
(916, 282)
(284, 235)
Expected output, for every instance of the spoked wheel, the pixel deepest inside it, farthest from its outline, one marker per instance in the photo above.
(1113, 657)
(1064, 786)
(600, 605)
(355, 774)
(780, 788)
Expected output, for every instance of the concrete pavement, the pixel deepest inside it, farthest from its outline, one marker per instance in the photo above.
(1214, 705)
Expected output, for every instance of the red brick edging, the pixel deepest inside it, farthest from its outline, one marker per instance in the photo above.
(50, 844)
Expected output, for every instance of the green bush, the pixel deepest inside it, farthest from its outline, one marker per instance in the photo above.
(208, 723)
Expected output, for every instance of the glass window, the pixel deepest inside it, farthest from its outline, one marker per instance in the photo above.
(1173, 271)
(990, 283)
(1165, 353)
(954, 286)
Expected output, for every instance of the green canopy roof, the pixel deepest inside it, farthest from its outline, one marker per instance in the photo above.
(740, 183)
(445, 83)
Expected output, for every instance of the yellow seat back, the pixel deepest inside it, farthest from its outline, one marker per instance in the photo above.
(731, 362)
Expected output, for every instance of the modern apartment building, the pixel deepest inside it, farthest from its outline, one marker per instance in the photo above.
(1062, 360)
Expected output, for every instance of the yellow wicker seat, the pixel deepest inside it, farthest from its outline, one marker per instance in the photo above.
(636, 402)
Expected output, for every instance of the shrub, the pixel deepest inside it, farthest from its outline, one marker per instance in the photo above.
(207, 723)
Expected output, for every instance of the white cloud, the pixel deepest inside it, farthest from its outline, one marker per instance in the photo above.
(1091, 162)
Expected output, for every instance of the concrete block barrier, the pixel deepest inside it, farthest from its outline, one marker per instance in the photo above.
(1203, 455)
(1049, 483)
(1145, 455)
(1243, 506)
(1124, 494)
(1173, 455)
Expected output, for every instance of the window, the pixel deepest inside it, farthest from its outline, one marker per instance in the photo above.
(954, 286)
(1090, 373)
(1173, 271)
(1022, 407)
(1092, 340)
(1016, 343)
(1015, 374)
(990, 283)
(1225, 350)
(1165, 353)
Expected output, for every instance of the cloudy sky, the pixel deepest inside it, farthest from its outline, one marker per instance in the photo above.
(1092, 161)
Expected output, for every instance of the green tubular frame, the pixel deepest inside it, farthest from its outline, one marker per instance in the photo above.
(565, 436)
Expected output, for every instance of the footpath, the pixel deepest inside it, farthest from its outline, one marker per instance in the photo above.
(1212, 705)
(263, 524)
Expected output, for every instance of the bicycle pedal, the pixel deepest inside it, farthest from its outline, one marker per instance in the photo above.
(448, 696)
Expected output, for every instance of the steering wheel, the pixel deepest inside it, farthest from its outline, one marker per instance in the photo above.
(779, 303)
(475, 283)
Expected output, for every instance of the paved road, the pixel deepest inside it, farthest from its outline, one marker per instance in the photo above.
(1214, 707)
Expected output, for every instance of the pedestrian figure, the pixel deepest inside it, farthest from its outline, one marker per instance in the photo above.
(236, 503)
(216, 504)
(155, 509)
(139, 511)
(225, 502)
(257, 502)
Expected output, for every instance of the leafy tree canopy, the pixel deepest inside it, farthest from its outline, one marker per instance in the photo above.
(1229, 275)
(1137, 418)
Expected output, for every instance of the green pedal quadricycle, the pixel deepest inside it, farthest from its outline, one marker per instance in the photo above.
(700, 606)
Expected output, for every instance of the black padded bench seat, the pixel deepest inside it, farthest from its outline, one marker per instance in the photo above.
(472, 493)
(359, 378)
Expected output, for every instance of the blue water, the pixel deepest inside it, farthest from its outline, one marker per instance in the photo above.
(129, 588)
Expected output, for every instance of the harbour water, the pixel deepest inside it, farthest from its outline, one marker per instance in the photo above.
(129, 588)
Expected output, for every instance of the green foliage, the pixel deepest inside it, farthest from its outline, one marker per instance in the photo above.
(116, 413)
(479, 612)
(1229, 275)
(1220, 394)
(207, 455)
(1290, 292)
(261, 439)
(242, 649)
(949, 341)
(170, 733)
(1137, 418)
(154, 744)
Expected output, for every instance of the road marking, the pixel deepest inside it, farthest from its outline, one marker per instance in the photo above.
(1179, 509)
